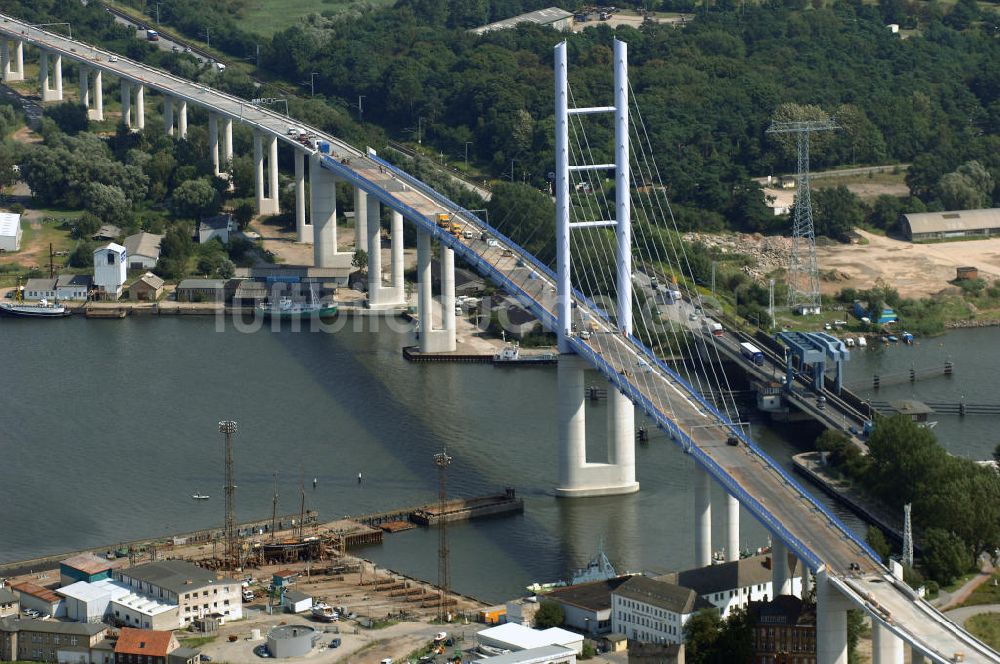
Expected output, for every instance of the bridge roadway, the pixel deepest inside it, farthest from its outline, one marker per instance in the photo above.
(762, 486)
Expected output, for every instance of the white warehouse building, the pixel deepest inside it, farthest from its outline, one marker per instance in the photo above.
(110, 270)
(91, 602)
(193, 591)
(10, 231)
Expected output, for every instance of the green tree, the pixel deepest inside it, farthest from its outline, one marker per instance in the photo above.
(876, 540)
(360, 260)
(701, 632)
(71, 118)
(243, 212)
(836, 211)
(195, 199)
(969, 187)
(550, 614)
(177, 244)
(855, 626)
(83, 255)
(945, 555)
(107, 202)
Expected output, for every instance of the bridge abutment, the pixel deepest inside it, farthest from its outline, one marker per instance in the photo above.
(12, 67)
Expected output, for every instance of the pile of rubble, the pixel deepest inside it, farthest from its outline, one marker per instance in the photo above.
(766, 253)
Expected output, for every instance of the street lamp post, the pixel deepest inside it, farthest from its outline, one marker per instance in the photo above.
(312, 83)
(467, 144)
(512, 169)
(361, 111)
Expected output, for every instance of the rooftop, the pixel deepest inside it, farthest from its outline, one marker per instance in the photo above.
(151, 280)
(150, 642)
(108, 231)
(957, 220)
(15, 624)
(35, 590)
(529, 656)
(661, 594)
(594, 596)
(9, 223)
(523, 638)
(296, 596)
(540, 17)
(740, 573)
(218, 223)
(177, 576)
(143, 244)
(783, 610)
(910, 407)
(44, 284)
(87, 592)
(286, 573)
(65, 281)
(208, 284)
(144, 604)
(117, 248)
(6, 596)
(87, 563)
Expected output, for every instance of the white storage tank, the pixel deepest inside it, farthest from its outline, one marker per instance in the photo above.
(291, 640)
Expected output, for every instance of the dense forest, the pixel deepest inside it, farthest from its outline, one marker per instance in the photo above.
(707, 91)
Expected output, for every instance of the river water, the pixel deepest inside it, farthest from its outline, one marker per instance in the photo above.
(110, 426)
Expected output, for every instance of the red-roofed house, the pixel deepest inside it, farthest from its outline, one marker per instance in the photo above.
(43, 600)
(144, 646)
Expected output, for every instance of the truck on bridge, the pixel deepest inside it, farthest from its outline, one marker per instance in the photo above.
(752, 353)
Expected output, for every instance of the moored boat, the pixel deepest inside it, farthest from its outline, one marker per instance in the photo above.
(21, 309)
(324, 612)
(286, 307)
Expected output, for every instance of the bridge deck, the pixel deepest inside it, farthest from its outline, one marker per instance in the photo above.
(761, 486)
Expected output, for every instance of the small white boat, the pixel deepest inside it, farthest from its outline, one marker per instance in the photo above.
(200, 496)
(862, 342)
(324, 612)
(849, 342)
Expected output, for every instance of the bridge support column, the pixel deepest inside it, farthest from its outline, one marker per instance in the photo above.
(267, 203)
(781, 579)
(182, 118)
(621, 440)
(227, 141)
(732, 528)
(323, 204)
(448, 318)
(213, 141)
(85, 87)
(168, 115)
(126, 103)
(806, 580)
(303, 231)
(373, 240)
(887, 648)
(361, 220)
(396, 257)
(831, 623)
(702, 517)
(140, 106)
(55, 93)
(572, 423)
(916, 657)
(13, 68)
(434, 340)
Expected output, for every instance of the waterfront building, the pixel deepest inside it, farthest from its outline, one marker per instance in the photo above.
(84, 567)
(110, 269)
(514, 637)
(9, 604)
(201, 290)
(73, 286)
(541, 655)
(143, 250)
(144, 646)
(736, 583)
(23, 639)
(587, 606)
(10, 231)
(522, 611)
(196, 592)
(43, 287)
(146, 288)
(652, 611)
(784, 631)
(43, 600)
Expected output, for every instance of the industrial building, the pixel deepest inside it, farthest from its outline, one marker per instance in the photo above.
(296, 602)
(23, 639)
(196, 592)
(43, 600)
(143, 250)
(587, 606)
(10, 231)
(735, 584)
(145, 646)
(73, 286)
(291, 640)
(515, 637)
(201, 290)
(540, 655)
(9, 604)
(110, 269)
(784, 630)
(652, 611)
(951, 224)
(553, 17)
(91, 602)
(147, 288)
(84, 567)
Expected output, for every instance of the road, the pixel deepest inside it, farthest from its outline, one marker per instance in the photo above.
(768, 493)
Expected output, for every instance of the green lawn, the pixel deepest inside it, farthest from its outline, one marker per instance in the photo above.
(988, 593)
(196, 641)
(267, 17)
(986, 626)
(959, 582)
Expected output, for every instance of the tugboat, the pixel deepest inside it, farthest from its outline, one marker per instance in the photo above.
(20, 309)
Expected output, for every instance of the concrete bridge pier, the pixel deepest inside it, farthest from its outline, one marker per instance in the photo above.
(323, 208)
(434, 340)
(95, 104)
(887, 648)
(702, 517)
(54, 93)
(396, 258)
(227, 141)
(213, 141)
(732, 528)
(831, 622)
(781, 578)
(806, 580)
(126, 87)
(140, 106)
(361, 220)
(373, 242)
(303, 230)
(13, 68)
(267, 202)
(168, 115)
(916, 657)
(182, 118)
